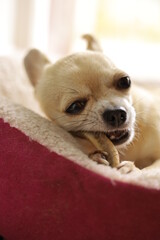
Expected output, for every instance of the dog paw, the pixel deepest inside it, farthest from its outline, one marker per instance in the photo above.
(99, 157)
(126, 167)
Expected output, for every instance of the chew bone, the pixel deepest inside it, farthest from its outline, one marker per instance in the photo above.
(102, 143)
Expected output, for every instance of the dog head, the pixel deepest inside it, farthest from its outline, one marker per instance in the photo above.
(84, 92)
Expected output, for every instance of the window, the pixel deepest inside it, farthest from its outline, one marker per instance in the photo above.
(128, 30)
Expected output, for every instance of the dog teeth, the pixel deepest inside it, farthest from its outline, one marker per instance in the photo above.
(112, 137)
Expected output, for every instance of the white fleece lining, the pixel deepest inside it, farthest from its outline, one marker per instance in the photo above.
(57, 140)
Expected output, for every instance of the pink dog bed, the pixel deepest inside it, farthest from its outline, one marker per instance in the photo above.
(49, 189)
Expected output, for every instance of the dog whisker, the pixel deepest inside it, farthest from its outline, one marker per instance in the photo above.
(139, 100)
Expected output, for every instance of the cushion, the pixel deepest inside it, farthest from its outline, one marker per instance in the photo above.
(49, 189)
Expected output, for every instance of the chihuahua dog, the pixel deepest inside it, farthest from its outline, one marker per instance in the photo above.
(87, 92)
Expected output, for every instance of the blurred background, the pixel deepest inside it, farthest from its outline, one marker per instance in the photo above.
(129, 30)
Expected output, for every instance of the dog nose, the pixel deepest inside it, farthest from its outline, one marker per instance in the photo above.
(115, 118)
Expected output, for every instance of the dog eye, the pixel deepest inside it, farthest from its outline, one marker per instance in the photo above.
(76, 107)
(123, 83)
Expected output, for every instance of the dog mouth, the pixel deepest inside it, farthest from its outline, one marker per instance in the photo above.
(118, 137)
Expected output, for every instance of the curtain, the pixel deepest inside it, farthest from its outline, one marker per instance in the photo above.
(45, 24)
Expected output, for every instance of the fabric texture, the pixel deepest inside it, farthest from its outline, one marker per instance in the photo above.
(45, 196)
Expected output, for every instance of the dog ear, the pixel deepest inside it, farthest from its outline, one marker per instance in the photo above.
(34, 63)
(92, 43)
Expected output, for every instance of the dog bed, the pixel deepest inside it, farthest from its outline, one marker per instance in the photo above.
(49, 189)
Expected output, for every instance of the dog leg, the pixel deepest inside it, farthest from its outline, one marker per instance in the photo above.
(99, 157)
(127, 167)
(155, 165)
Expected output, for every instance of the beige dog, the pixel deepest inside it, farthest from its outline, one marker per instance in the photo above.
(87, 92)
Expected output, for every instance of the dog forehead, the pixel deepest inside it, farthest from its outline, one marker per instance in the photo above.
(82, 62)
(89, 68)
(88, 61)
